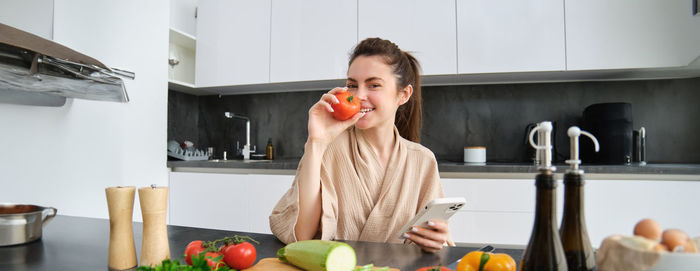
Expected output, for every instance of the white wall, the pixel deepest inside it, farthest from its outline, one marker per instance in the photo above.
(65, 157)
(34, 16)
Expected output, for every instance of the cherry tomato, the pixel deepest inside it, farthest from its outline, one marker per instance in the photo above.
(214, 264)
(194, 248)
(434, 268)
(349, 106)
(239, 256)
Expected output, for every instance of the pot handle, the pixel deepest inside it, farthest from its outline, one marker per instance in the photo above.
(50, 213)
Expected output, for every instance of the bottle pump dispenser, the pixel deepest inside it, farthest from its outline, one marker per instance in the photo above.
(574, 234)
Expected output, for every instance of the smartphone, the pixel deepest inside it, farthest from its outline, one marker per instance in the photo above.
(437, 209)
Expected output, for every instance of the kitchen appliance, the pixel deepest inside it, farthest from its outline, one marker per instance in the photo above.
(37, 71)
(639, 149)
(611, 123)
(21, 223)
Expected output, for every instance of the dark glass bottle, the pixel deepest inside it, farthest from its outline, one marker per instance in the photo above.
(269, 150)
(574, 235)
(544, 250)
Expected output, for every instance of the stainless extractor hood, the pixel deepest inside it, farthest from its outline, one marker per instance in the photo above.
(37, 71)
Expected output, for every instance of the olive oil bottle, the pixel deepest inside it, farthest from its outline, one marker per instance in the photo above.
(574, 235)
(544, 250)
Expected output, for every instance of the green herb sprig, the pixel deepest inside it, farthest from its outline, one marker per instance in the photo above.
(199, 263)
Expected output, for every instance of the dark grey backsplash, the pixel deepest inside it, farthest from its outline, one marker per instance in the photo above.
(494, 116)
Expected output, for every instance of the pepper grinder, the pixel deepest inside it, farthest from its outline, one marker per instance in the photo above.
(154, 206)
(122, 251)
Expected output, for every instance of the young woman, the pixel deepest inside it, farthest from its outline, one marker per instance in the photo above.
(364, 178)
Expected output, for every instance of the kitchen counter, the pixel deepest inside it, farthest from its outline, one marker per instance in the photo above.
(76, 243)
(450, 169)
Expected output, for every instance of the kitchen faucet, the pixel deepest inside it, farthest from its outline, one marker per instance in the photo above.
(246, 151)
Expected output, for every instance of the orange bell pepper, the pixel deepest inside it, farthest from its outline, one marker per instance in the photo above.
(486, 261)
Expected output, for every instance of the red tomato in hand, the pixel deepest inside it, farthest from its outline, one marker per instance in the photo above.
(194, 248)
(434, 268)
(214, 264)
(239, 256)
(349, 106)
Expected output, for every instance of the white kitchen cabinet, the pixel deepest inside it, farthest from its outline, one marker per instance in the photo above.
(33, 16)
(233, 43)
(182, 16)
(498, 211)
(510, 36)
(615, 206)
(236, 202)
(423, 27)
(623, 34)
(181, 48)
(501, 211)
(311, 39)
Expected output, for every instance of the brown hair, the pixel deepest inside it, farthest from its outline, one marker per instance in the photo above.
(409, 116)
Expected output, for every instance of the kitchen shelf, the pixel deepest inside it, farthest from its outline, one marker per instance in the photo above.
(183, 39)
(181, 60)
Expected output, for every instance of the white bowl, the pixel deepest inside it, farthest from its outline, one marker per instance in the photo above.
(677, 262)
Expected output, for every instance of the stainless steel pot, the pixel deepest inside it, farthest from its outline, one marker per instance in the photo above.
(21, 223)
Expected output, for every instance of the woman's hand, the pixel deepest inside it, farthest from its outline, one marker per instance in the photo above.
(431, 238)
(323, 127)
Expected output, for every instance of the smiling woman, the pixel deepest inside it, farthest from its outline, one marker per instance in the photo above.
(363, 178)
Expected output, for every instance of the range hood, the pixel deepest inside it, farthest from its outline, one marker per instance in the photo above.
(37, 71)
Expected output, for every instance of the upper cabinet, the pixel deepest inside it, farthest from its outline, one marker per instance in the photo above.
(233, 43)
(311, 39)
(183, 16)
(424, 28)
(253, 46)
(624, 34)
(510, 36)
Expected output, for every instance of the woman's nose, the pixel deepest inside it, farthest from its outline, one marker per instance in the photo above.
(360, 93)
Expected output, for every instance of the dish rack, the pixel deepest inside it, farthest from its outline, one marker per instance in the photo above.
(187, 154)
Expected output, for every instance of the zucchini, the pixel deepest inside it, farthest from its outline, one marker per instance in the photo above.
(319, 255)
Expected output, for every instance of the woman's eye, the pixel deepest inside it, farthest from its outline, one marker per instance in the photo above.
(374, 85)
(350, 86)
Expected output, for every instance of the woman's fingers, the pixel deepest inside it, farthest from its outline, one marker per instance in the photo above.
(320, 104)
(431, 238)
(438, 225)
(436, 236)
(354, 118)
(338, 89)
(330, 98)
(425, 243)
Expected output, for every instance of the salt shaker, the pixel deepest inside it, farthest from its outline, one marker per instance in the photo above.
(122, 251)
(154, 207)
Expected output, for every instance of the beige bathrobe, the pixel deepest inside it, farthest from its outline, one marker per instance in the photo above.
(361, 200)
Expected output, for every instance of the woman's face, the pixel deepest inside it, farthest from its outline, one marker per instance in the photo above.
(374, 83)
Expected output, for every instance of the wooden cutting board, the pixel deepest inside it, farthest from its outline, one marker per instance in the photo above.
(275, 264)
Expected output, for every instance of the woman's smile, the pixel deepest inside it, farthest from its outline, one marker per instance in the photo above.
(366, 109)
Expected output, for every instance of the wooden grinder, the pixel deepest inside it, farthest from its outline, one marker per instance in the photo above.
(122, 252)
(154, 207)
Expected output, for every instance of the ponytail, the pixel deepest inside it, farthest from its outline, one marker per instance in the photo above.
(409, 116)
